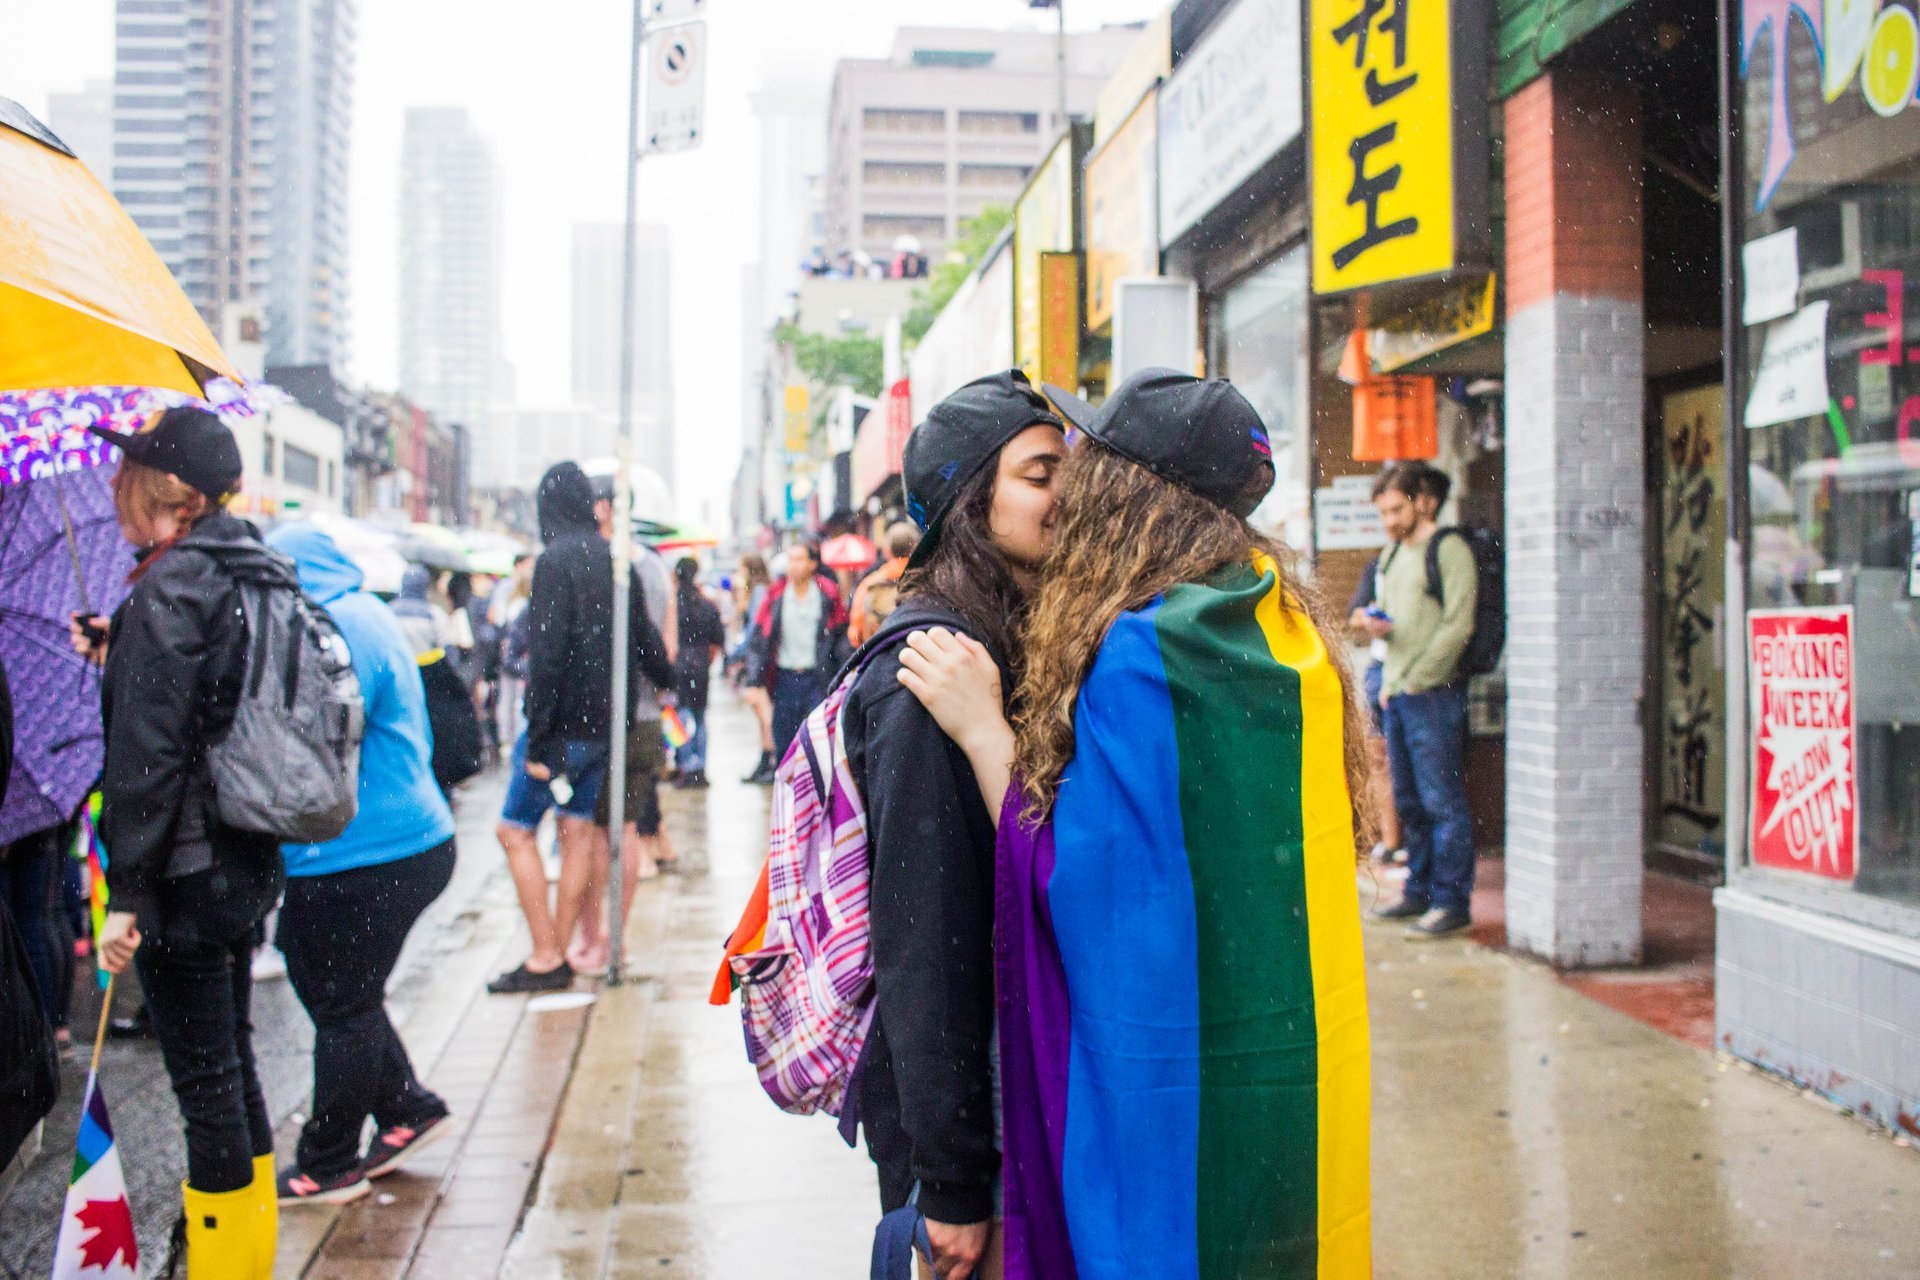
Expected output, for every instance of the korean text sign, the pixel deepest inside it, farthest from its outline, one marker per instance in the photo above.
(1806, 787)
(1386, 141)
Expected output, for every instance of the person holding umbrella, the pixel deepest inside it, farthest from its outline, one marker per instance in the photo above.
(188, 893)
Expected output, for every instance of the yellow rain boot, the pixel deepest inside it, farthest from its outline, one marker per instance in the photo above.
(266, 1197)
(221, 1232)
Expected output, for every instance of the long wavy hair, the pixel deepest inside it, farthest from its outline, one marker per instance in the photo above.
(969, 575)
(1122, 536)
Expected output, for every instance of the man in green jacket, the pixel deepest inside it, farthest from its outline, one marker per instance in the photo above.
(1425, 696)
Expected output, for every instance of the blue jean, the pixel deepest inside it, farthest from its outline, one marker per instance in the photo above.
(795, 694)
(528, 798)
(692, 758)
(1427, 757)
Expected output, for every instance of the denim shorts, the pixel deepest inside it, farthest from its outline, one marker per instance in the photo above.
(528, 798)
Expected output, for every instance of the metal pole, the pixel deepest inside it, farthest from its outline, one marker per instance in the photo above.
(623, 523)
(1060, 57)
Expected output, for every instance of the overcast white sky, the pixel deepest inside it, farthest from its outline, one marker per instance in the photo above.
(546, 83)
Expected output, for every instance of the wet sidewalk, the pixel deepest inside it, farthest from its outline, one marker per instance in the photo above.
(1521, 1128)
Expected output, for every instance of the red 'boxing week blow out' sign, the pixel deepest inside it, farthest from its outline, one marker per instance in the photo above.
(1806, 788)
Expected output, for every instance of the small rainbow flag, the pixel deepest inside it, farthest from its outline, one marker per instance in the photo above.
(676, 728)
(96, 1227)
(88, 848)
(1182, 995)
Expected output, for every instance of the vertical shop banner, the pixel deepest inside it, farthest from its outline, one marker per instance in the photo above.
(1122, 233)
(1691, 605)
(1060, 319)
(1042, 223)
(1398, 144)
(797, 423)
(1806, 784)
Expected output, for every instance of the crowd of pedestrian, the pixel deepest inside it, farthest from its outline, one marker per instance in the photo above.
(1075, 648)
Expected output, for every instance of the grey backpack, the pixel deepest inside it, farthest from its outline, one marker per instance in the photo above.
(290, 766)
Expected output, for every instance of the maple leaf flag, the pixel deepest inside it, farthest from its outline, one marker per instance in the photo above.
(96, 1229)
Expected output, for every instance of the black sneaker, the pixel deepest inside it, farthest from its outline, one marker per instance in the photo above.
(1440, 923)
(1405, 909)
(296, 1187)
(394, 1146)
(692, 780)
(522, 980)
(762, 774)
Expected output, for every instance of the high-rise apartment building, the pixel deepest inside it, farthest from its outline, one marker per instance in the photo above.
(450, 267)
(597, 263)
(949, 122)
(84, 121)
(249, 102)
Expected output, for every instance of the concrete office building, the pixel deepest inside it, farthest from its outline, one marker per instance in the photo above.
(949, 122)
(84, 121)
(450, 256)
(251, 101)
(598, 256)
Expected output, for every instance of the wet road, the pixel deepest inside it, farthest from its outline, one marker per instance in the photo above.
(1520, 1128)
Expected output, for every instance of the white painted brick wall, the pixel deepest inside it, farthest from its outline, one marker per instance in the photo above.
(1575, 603)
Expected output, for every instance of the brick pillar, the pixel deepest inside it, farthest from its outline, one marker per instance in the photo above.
(1575, 521)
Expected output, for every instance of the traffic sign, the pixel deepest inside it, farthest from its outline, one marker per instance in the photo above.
(676, 87)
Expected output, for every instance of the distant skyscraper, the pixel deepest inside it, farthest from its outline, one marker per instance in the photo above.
(250, 101)
(450, 255)
(84, 121)
(596, 337)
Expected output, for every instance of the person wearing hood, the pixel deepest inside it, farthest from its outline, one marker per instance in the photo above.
(979, 477)
(427, 624)
(351, 901)
(561, 757)
(188, 892)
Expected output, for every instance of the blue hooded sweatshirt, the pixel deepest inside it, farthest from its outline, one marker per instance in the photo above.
(402, 812)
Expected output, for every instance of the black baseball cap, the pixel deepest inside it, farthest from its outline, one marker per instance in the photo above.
(1198, 433)
(962, 434)
(189, 444)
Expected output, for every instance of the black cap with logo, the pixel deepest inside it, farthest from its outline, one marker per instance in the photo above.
(962, 434)
(189, 444)
(1200, 434)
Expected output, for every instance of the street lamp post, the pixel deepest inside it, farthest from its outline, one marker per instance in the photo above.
(623, 524)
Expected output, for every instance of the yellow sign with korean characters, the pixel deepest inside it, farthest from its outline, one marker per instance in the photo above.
(1384, 145)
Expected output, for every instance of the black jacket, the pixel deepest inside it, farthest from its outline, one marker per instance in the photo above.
(176, 657)
(830, 648)
(926, 1094)
(570, 625)
(700, 631)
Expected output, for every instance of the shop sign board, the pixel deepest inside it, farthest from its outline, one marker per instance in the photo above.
(1122, 235)
(1344, 517)
(1806, 788)
(1457, 313)
(1231, 106)
(796, 421)
(1059, 319)
(1397, 155)
(1042, 223)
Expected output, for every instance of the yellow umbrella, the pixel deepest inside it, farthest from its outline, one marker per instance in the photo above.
(84, 299)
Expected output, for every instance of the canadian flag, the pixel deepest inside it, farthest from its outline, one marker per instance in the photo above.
(96, 1229)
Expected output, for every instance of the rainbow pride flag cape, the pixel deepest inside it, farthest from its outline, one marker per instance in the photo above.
(1182, 998)
(676, 727)
(90, 849)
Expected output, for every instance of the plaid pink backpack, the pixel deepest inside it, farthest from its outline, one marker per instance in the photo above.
(802, 955)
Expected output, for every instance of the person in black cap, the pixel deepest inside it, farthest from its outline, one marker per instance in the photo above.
(188, 893)
(1180, 696)
(979, 476)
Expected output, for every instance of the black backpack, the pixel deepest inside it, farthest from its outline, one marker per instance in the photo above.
(1489, 637)
(457, 750)
(29, 1065)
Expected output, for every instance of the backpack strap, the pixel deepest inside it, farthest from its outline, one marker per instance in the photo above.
(900, 1233)
(1435, 587)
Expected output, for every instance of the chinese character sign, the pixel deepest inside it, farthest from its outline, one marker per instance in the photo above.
(1384, 139)
(1806, 787)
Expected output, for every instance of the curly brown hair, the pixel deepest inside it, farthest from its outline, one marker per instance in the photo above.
(1122, 536)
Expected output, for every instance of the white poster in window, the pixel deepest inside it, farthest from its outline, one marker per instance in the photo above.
(1771, 287)
(1344, 518)
(1791, 381)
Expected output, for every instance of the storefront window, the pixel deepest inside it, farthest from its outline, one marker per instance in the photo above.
(1829, 393)
(1257, 335)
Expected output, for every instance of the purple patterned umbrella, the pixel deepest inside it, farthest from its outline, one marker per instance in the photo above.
(56, 694)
